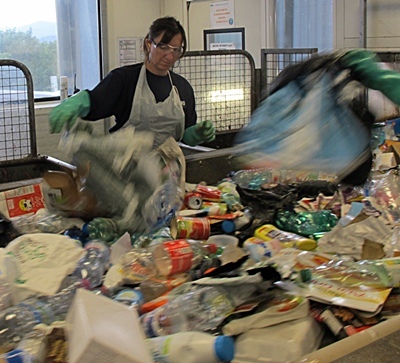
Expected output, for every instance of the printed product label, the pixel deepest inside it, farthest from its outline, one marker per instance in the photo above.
(181, 255)
(23, 201)
(195, 228)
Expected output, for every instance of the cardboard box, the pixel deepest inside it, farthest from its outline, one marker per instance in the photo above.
(22, 201)
(100, 329)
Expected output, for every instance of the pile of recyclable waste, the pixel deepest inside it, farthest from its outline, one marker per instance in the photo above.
(231, 268)
(122, 260)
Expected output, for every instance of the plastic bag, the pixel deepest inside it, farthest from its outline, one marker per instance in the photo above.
(122, 173)
(309, 123)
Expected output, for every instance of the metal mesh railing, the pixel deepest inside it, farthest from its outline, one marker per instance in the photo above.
(273, 61)
(224, 86)
(17, 117)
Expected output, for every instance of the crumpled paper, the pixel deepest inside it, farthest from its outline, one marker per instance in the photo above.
(349, 240)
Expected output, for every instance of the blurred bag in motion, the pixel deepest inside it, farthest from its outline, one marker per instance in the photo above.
(311, 120)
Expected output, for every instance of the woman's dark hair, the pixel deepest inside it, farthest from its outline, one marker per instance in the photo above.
(169, 27)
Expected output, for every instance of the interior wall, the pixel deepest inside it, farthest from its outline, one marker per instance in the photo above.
(247, 15)
(382, 24)
(128, 18)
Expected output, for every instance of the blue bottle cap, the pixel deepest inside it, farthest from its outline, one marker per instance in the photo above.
(15, 356)
(85, 229)
(228, 226)
(224, 348)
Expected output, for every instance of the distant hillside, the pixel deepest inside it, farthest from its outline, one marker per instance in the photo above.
(45, 31)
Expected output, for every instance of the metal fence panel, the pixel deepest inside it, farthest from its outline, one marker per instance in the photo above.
(17, 116)
(223, 83)
(273, 61)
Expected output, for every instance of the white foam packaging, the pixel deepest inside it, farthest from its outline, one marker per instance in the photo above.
(280, 343)
(101, 330)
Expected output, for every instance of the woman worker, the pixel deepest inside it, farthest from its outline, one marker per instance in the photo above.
(147, 95)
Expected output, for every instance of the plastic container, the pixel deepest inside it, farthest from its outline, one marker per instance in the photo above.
(267, 232)
(154, 287)
(92, 266)
(236, 224)
(105, 229)
(191, 347)
(177, 256)
(306, 223)
(202, 308)
(18, 321)
(261, 250)
(161, 207)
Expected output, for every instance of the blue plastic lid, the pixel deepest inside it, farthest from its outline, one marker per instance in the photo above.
(15, 356)
(228, 226)
(85, 229)
(224, 348)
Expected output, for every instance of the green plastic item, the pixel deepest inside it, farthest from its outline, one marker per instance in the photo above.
(201, 132)
(364, 67)
(68, 111)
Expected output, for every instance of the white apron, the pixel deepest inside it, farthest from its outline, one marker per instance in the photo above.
(163, 119)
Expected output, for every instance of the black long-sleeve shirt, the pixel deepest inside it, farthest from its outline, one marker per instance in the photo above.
(113, 96)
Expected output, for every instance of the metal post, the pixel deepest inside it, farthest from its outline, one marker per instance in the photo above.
(362, 40)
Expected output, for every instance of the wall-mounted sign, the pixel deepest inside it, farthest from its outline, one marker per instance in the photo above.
(222, 14)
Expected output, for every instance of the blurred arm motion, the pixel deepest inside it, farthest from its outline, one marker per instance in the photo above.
(364, 68)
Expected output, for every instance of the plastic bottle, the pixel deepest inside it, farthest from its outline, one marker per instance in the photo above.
(191, 347)
(306, 223)
(19, 320)
(236, 224)
(261, 250)
(105, 229)
(154, 287)
(130, 297)
(177, 256)
(94, 263)
(31, 349)
(268, 232)
(202, 308)
(161, 207)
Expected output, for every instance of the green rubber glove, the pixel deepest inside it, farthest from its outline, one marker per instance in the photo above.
(364, 67)
(201, 132)
(68, 111)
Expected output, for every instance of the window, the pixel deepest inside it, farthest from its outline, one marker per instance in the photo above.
(305, 24)
(53, 38)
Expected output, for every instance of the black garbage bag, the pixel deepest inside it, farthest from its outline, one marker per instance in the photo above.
(264, 204)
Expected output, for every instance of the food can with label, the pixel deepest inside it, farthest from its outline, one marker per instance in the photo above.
(190, 227)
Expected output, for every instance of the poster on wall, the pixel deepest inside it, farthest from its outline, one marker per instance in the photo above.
(130, 50)
(222, 14)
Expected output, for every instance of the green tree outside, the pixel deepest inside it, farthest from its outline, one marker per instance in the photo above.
(39, 57)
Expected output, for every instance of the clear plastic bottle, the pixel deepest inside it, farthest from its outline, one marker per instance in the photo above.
(191, 347)
(202, 308)
(161, 207)
(178, 256)
(94, 263)
(19, 320)
(154, 286)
